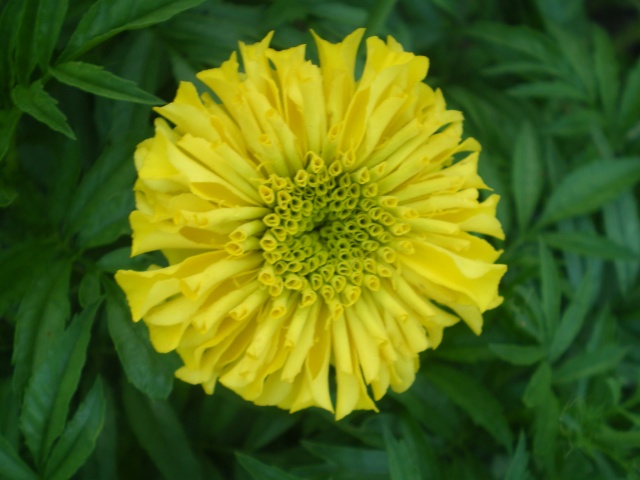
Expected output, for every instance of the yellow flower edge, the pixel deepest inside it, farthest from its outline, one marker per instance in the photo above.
(316, 226)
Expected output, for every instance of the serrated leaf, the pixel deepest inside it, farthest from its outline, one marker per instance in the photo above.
(103, 462)
(161, 434)
(53, 384)
(552, 89)
(472, 397)
(606, 70)
(577, 56)
(364, 461)
(34, 101)
(18, 275)
(107, 18)
(521, 39)
(49, 20)
(588, 364)
(402, 464)
(578, 121)
(9, 12)
(261, 471)
(589, 187)
(629, 106)
(518, 466)
(23, 41)
(148, 370)
(141, 60)
(518, 354)
(551, 292)
(525, 68)
(267, 428)
(526, 306)
(617, 439)
(575, 315)
(589, 244)
(12, 466)
(540, 398)
(103, 201)
(40, 320)
(430, 409)
(622, 225)
(539, 386)
(527, 178)
(372, 18)
(79, 438)
(421, 447)
(94, 79)
(89, 290)
(8, 122)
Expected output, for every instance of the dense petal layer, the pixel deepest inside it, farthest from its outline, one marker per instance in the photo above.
(316, 226)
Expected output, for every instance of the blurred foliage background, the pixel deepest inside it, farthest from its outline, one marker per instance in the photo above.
(550, 390)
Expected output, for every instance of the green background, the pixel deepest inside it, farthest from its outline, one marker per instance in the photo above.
(551, 89)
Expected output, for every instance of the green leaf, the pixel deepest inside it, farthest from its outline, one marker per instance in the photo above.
(551, 294)
(79, 438)
(430, 409)
(34, 101)
(262, 471)
(577, 57)
(629, 106)
(53, 384)
(23, 41)
(150, 371)
(539, 387)
(40, 320)
(472, 397)
(103, 463)
(160, 433)
(107, 18)
(527, 178)
(622, 224)
(589, 244)
(267, 428)
(518, 466)
(12, 466)
(617, 439)
(96, 80)
(420, 445)
(540, 397)
(606, 70)
(589, 364)
(49, 20)
(378, 14)
(552, 89)
(89, 289)
(521, 39)
(402, 464)
(589, 187)
(575, 315)
(364, 461)
(9, 12)
(524, 68)
(578, 121)
(518, 354)
(141, 60)
(8, 122)
(104, 199)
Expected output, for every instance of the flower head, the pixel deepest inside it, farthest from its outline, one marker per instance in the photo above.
(315, 225)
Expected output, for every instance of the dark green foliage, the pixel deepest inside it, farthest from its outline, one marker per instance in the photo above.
(550, 390)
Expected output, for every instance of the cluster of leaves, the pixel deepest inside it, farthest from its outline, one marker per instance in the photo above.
(550, 390)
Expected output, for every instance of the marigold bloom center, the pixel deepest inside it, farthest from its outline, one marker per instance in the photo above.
(327, 235)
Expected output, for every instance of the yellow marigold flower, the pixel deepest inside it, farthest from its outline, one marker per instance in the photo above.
(313, 223)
